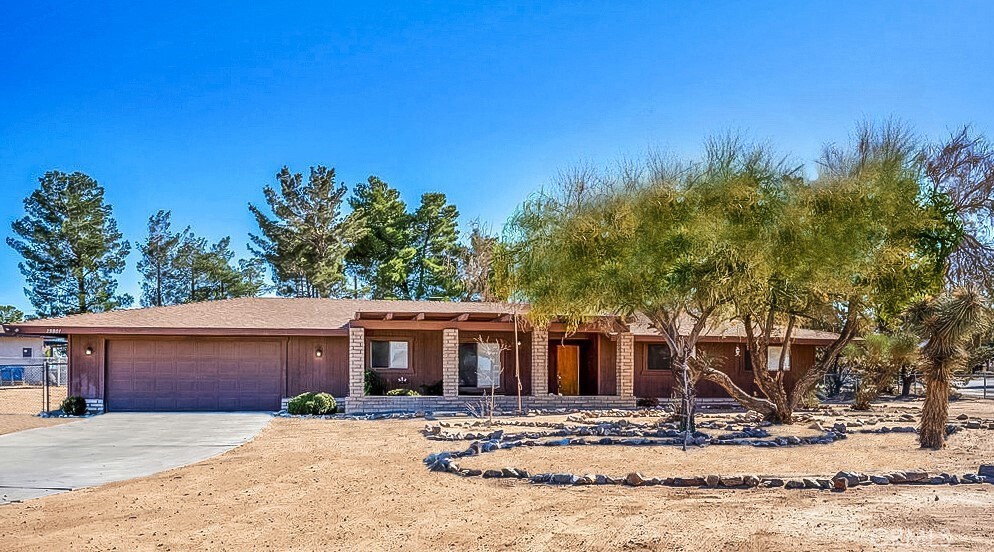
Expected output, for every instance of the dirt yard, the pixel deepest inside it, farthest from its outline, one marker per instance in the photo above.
(19, 407)
(319, 484)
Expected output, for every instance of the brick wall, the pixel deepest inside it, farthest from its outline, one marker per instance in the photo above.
(357, 360)
(450, 362)
(625, 364)
(540, 362)
(507, 404)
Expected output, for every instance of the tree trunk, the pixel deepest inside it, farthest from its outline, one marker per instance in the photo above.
(935, 411)
(907, 380)
(683, 393)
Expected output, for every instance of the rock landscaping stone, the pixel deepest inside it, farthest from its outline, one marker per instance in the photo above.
(751, 481)
(840, 483)
(794, 484)
(731, 481)
(773, 482)
(916, 476)
(986, 470)
(879, 480)
(635, 479)
(488, 474)
(712, 480)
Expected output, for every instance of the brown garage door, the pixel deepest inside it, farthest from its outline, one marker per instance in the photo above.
(193, 374)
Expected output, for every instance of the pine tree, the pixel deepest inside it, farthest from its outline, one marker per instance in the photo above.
(10, 314)
(306, 240)
(158, 268)
(71, 246)
(380, 259)
(205, 271)
(435, 266)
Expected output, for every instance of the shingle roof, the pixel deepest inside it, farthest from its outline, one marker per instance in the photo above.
(280, 314)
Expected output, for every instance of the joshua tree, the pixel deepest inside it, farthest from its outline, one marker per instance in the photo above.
(945, 323)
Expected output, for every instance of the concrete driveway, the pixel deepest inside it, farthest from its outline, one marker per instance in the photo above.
(114, 447)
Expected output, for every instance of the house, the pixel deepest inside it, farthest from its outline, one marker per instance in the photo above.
(255, 353)
(21, 359)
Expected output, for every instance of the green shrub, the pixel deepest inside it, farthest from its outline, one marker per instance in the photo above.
(74, 406)
(312, 403)
(373, 384)
(403, 393)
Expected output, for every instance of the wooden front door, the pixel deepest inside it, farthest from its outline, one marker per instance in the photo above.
(568, 369)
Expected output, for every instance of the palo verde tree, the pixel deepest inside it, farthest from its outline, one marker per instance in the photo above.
(959, 175)
(71, 247)
(640, 240)
(307, 237)
(855, 245)
(945, 322)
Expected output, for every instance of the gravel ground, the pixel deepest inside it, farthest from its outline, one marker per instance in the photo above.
(322, 484)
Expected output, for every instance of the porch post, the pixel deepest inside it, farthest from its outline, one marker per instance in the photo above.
(540, 361)
(450, 362)
(357, 361)
(625, 364)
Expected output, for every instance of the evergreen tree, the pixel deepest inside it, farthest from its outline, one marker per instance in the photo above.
(206, 273)
(435, 265)
(157, 266)
(10, 314)
(71, 246)
(306, 240)
(380, 260)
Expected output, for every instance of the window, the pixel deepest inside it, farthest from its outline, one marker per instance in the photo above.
(773, 359)
(26, 352)
(479, 365)
(389, 355)
(657, 357)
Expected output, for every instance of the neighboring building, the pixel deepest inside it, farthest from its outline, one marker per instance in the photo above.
(21, 359)
(254, 353)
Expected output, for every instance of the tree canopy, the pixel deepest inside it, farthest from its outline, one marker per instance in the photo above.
(71, 247)
(306, 239)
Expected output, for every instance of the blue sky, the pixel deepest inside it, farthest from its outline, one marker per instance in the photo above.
(194, 107)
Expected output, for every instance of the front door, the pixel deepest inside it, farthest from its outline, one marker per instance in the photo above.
(568, 369)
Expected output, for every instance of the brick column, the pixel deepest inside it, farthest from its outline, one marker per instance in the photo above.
(450, 362)
(357, 361)
(540, 362)
(625, 364)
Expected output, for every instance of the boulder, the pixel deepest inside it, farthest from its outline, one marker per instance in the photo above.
(810, 483)
(635, 479)
(879, 480)
(563, 479)
(712, 480)
(731, 481)
(794, 484)
(751, 481)
(492, 474)
(916, 476)
(509, 472)
(986, 470)
(773, 482)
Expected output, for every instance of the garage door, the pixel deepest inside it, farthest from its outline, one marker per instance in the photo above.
(193, 374)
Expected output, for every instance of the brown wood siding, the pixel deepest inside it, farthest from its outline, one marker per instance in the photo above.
(660, 384)
(607, 351)
(307, 372)
(86, 372)
(424, 362)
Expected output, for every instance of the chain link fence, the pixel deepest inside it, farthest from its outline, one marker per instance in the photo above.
(30, 386)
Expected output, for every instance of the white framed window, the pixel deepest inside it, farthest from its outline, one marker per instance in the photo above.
(389, 355)
(479, 365)
(773, 355)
